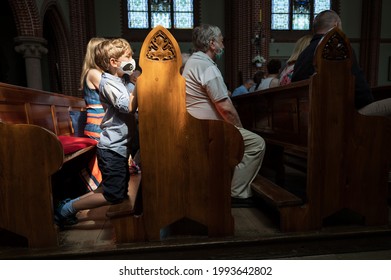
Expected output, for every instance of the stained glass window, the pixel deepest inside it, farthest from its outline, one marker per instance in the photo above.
(321, 5)
(183, 14)
(138, 14)
(144, 14)
(296, 14)
(280, 14)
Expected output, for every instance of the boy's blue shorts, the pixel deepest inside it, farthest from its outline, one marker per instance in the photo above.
(115, 175)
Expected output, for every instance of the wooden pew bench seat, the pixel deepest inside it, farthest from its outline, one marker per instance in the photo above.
(75, 146)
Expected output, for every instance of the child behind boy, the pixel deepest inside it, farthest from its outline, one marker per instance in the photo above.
(113, 148)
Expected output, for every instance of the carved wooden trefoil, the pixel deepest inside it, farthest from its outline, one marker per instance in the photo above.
(161, 47)
(335, 48)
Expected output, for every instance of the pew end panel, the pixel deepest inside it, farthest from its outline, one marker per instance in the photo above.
(32, 110)
(370, 156)
(187, 163)
(351, 175)
(347, 154)
(381, 92)
(25, 182)
(46, 109)
(214, 148)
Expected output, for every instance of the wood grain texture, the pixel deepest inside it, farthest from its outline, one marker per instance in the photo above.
(348, 154)
(31, 106)
(30, 153)
(187, 164)
(26, 206)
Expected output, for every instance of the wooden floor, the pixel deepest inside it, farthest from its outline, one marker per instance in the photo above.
(256, 237)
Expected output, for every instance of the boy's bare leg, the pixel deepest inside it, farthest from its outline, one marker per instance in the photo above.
(90, 200)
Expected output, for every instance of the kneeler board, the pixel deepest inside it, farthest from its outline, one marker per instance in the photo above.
(187, 163)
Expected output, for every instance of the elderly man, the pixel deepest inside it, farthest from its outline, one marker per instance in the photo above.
(207, 97)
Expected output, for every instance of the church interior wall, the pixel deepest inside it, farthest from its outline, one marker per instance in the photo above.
(108, 24)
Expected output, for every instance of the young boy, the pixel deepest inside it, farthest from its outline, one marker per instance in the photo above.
(113, 148)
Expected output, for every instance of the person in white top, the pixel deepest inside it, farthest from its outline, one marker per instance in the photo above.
(207, 98)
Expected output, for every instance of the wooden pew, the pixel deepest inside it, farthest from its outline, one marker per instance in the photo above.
(187, 164)
(381, 92)
(31, 122)
(348, 154)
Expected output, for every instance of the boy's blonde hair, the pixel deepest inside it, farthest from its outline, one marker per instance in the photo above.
(89, 59)
(108, 49)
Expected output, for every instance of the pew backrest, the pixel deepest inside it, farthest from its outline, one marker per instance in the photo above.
(281, 118)
(20, 105)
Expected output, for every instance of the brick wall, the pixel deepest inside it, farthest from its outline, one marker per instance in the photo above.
(242, 24)
(66, 45)
(26, 17)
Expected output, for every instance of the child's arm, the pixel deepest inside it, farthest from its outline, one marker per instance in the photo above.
(116, 94)
(93, 78)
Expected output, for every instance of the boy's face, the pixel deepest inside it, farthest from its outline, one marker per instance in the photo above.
(116, 68)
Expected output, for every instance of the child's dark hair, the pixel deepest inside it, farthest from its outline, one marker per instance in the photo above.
(258, 76)
(274, 66)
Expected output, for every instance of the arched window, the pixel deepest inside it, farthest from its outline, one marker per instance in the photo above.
(290, 19)
(178, 16)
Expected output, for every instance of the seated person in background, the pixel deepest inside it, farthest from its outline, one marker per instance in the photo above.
(304, 68)
(114, 144)
(258, 77)
(287, 72)
(273, 72)
(243, 89)
(207, 98)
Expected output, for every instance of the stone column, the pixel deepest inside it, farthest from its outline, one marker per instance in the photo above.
(32, 49)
